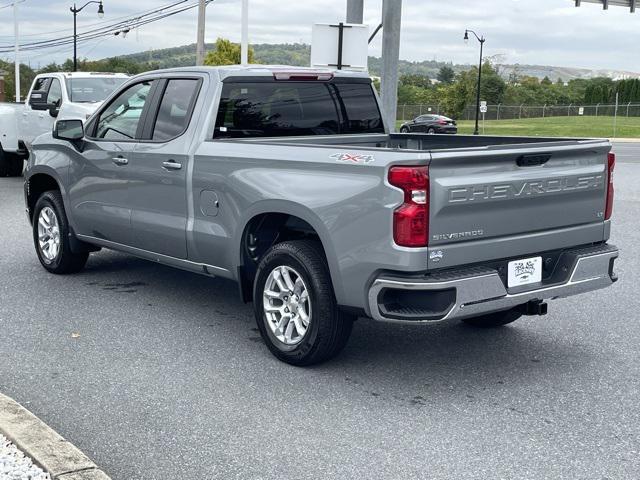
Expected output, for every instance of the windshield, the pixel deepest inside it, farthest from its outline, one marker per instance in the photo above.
(276, 108)
(92, 89)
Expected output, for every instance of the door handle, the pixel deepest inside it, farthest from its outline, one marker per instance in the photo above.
(120, 161)
(532, 160)
(171, 165)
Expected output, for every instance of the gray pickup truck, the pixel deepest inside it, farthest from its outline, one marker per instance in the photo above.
(287, 181)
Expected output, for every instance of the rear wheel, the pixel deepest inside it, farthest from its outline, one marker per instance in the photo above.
(295, 306)
(431, 131)
(404, 130)
(492, 320)
(51, 236)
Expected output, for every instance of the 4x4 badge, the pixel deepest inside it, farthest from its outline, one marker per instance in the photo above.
(353, 157)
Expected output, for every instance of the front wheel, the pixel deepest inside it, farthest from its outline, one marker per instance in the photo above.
(295, 306)
(51, 236)
(404, 130)
(493, 320)
(431, 131)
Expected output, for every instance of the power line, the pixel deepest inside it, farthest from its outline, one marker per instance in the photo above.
(159, 12)
(114, 28)
(11, 4)
(102, 22)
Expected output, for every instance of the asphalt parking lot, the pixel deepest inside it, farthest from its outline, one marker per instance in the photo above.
(161, 374)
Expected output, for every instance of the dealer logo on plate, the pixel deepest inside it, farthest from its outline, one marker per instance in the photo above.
(352, 157)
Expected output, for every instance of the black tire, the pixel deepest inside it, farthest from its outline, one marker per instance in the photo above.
(10, 165)
(65, 261)
(16, 166)
(431, 131)
(404, 130)
(329, 328)
(493, 320)
(4, 164)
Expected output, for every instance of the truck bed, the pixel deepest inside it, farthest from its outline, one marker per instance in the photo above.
(422, 142)
(489, 197)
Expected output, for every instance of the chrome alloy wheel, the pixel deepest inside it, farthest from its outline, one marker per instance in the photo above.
(48, 234)
(286, 305)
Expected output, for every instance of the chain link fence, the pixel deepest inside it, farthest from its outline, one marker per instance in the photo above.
(409, 112)
(513, 112)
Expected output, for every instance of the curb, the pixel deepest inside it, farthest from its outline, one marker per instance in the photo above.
(45, 447)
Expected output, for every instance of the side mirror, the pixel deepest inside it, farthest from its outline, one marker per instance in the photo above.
(38, 100)
(71, 130)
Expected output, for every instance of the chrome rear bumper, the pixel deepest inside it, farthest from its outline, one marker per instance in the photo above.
(480, 290)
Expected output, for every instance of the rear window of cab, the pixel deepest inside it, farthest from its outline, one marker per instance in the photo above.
(294, 108)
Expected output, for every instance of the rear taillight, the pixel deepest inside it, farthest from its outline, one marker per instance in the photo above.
(442, 122)
(611, 164)
(411, 219)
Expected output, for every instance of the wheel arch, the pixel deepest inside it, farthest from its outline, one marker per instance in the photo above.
(296, 221)
(38, 182)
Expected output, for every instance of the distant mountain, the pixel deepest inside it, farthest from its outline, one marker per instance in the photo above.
(565, 73)
(299, 54)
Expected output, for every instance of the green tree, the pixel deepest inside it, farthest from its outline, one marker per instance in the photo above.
(462, 92)
(446, 75)
(26, 79)
(599, 90)
(415, 80)
(226, 53)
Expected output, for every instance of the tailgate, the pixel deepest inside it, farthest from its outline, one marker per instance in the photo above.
(502, 202)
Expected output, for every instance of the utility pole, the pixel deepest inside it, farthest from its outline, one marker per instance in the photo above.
(392, 21)
(355, 11)
(244, 44)
(202, 9)
(17, 49)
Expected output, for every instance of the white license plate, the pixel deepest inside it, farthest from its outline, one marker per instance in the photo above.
(525, 271)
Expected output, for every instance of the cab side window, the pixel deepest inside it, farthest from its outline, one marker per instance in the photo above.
(41, 84)
(39, 90)
(120, 120)
(175, 108)
(55, 93)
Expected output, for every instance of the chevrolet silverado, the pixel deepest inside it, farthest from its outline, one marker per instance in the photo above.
(288, 182)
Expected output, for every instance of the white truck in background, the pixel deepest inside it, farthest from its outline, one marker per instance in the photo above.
(62, 95)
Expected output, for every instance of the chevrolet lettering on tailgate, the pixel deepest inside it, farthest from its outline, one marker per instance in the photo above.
(524, 189)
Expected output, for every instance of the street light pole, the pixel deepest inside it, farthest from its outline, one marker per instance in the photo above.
(75, 12)
(17, 49)
(481, 40)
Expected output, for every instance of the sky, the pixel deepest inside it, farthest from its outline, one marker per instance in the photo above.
(542, 32)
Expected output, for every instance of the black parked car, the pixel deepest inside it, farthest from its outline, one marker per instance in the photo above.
(430, 124)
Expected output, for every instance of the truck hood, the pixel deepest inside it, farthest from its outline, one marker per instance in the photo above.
(78, 111)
